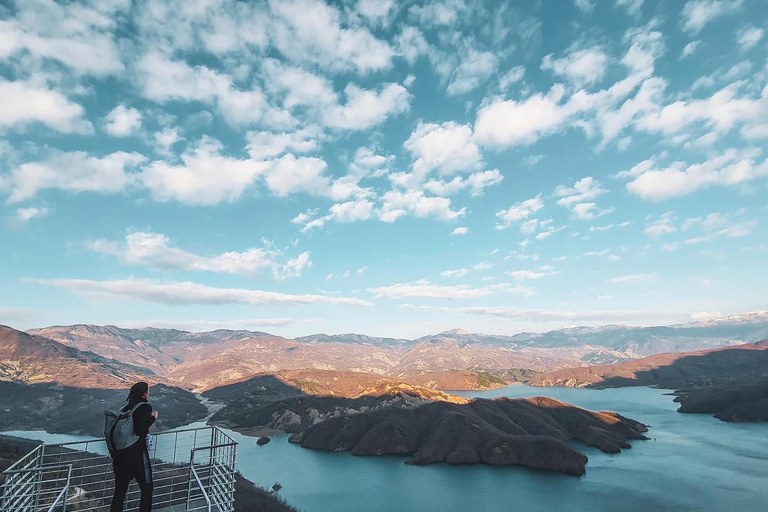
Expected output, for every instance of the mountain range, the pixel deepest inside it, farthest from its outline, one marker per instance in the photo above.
(204, 360)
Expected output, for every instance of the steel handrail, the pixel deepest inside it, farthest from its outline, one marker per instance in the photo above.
(29, 457)
(202, 489)
(62, 494)
(222, 445)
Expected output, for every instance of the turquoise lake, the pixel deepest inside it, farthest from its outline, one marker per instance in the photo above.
(692, 463)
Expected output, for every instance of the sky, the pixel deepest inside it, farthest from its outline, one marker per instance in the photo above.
(389, 168)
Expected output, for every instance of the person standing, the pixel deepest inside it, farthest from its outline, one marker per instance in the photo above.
(134, 461)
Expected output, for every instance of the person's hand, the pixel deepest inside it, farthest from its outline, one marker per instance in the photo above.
(155, 414)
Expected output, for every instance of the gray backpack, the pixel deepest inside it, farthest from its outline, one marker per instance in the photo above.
(118, 429)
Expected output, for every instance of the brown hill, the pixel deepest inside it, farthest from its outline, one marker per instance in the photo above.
(529, 432)
(30, 359)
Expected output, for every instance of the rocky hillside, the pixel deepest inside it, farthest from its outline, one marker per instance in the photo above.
(730, 382)
(529, 432)
(30, 359)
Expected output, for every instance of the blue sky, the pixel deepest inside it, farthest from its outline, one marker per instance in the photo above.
(392, 168)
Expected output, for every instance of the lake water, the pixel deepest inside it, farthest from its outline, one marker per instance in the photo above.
(694, 462)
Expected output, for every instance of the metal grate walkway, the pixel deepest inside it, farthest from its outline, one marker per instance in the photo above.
(193, 470)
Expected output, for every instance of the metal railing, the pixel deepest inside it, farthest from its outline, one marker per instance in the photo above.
(193, 469)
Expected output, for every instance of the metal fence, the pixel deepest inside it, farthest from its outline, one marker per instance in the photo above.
(193, 469)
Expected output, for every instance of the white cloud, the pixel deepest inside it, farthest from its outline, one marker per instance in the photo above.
(155, 250)
(717, 226)
(462, 230)
(484, 265)
(720, 113)
(290, 175)
(187, 293)
(397, 203)
(448, 147)
(632, 6)
(748, 37)
(310, 31)
(662, 226)
(511, 123)
(522, 275)
(585, 6)
(634, 278)
(519, 211)
(580, 67)
(365, 109)
(696, 14)
(425, 289)
(76, 35)
(368, 162)
(205, 176)
(579, 198)
(210, 325)
(74, 172)
(162, 79)
(474, 68)
(122, 121)
(24, 103)
(454, 273)
(443, 14)
(730, 168)
(351, 211)
(296, 86)
(475, 182)
(33, 212)
(512, 76)
(690, 49)
(165, 139)
(411, 44)
(376, 12)
(267, 144)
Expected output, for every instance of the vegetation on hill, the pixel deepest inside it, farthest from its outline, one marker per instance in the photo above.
(71, 410)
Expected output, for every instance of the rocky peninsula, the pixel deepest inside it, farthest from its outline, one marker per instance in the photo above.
(528, 432)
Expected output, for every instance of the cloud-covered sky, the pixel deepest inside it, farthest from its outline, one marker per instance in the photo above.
(392, 168)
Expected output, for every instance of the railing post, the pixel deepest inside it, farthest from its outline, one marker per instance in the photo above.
(39, 482)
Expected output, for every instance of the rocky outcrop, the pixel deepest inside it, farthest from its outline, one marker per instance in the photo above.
(528, 432)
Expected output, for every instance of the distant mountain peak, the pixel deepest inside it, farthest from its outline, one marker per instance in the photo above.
(457, 332)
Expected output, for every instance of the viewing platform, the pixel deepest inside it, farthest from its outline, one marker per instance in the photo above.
(193, 470)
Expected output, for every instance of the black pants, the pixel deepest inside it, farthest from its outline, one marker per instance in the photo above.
(127, 467)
